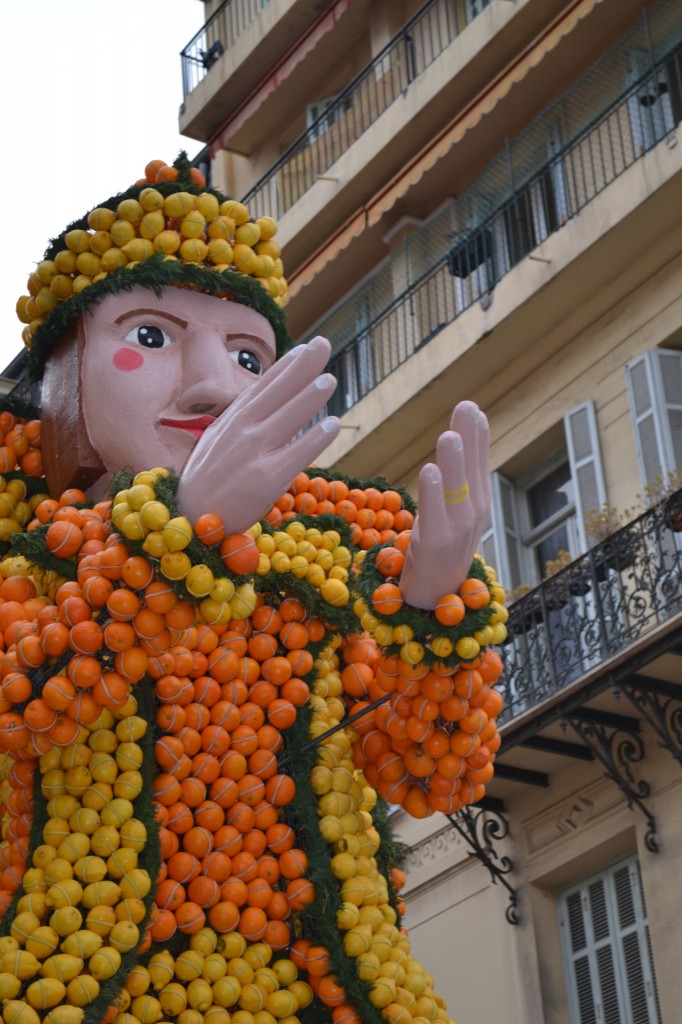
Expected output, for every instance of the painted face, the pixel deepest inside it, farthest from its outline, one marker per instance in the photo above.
(157, 372)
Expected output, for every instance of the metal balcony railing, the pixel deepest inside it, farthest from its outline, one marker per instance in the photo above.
(598, 606)
(212, 40)
(345, 118)
(466, 271)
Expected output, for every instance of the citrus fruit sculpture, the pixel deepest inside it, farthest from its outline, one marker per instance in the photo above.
(200, 725)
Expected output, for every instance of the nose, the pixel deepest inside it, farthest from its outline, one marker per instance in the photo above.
(209, 381)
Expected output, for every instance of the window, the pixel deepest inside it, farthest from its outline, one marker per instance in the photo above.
(649, 106)
(474, 7)
(321, 115)
(533, 519)
(356, 374)
(654, 382)
(607, 956)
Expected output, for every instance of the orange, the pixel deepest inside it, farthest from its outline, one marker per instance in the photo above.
(252, 923)
(474, 593)
(300, 892)
(190, 918)
(387, 598)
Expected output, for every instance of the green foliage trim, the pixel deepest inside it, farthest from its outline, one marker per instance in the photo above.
(156, 273)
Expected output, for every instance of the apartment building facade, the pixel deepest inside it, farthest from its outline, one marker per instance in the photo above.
(483, 199)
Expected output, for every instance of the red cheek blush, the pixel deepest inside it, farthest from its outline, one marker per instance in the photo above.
(128, 359)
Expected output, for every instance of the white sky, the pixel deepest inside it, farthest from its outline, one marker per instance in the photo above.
(91, 91)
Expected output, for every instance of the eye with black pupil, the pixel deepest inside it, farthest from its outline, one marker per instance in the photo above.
(150, 337)
(250, 361)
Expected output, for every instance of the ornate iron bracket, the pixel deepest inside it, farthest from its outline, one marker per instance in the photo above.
(618, 746)
(660, 705)
(478, 827)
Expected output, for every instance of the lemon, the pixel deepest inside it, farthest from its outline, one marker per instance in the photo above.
(82, 943)
(189, 965)
(219, 251)
(226, 991)
(161, 967)
(167, 242)
(62, 966)
(10, 986)
(179, 204)
(101, 219)
(147, 1009)
(151, 199)
(222, 227)
(65, 1015)
(105, 963)
(16, 1011)
(138, 249)
(130, 210)
(200, 995)
(66, 920)
(45, 993)
(101, 920)
(83, 990)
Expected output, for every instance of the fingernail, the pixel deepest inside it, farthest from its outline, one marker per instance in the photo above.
(324, 381)
(330, 424)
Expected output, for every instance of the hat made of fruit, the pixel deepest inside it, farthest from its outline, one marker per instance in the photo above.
(168, 229)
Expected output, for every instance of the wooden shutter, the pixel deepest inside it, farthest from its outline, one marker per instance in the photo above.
(654, 382)
(501, 540)
(607, 956)
(582, 440)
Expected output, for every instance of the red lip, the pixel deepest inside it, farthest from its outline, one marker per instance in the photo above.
(194, 426)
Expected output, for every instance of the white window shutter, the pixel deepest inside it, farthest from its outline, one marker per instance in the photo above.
(501, 544)
(604, 935)
(582, 440)
(654, 383)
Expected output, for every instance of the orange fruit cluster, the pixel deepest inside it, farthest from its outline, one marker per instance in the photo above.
(374, 516)
(228, 858)
(432, 745)
(20, 445)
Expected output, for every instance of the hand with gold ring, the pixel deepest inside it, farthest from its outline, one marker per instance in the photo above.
(454, 499)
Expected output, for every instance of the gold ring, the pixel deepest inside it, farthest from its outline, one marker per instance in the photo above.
(457, 497)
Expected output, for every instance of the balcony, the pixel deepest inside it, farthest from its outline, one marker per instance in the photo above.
(451, 268)
(578, 625)
(354, 110)
(217, 35)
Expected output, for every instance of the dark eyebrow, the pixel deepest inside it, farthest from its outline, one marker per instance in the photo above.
(151, 312)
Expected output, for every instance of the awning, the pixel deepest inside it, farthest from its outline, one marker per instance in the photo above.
(477, 110)
(279, 74)
(336, 244)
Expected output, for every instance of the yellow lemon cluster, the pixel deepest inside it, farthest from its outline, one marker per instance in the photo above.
(218, 980)
(180, 226)
(399, 985)
(15, 511)
(84, 892)
(309, 554)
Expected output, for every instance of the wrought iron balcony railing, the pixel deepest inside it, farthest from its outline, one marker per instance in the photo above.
(595, 608)
(215, 37)
(348, 116)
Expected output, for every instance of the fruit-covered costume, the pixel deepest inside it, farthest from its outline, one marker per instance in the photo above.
(189, 831)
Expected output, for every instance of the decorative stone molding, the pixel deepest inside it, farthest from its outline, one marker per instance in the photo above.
(434, 856)
(571, 815)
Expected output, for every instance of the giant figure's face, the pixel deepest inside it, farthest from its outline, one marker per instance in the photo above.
(157, 372)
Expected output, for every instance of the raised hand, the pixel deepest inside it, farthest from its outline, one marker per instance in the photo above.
(454, 498)
(246, 460)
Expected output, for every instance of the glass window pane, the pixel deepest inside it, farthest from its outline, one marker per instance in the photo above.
(550, 494)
